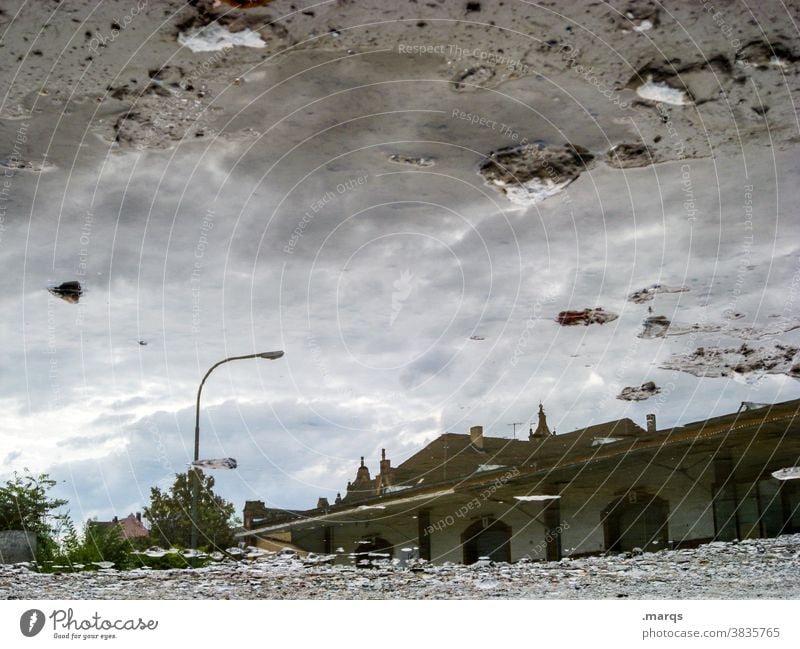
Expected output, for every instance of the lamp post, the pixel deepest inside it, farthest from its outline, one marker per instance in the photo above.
(195, 478)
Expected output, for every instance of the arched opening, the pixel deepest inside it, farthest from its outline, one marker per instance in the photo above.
(487, 538)
(636, 520)
(371, 549)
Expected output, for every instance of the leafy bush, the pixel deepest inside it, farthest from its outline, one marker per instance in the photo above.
(25, 505)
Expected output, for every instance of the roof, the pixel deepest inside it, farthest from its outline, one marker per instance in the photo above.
(131, 526)
(452, 464)
(453, 456)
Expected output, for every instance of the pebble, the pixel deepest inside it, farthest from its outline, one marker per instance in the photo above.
(758, 568)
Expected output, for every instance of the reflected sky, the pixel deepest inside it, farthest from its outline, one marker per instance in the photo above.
(409, 300)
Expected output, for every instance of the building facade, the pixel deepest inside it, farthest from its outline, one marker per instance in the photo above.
(612, 487)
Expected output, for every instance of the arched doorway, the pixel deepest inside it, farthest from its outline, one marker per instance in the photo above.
(636, 520)
(371, 549)
(487, 538)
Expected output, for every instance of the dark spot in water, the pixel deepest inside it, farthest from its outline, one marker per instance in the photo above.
(68, 291)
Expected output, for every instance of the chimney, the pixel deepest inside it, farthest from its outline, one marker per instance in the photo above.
(386, 469)
(138, 517)
(651, 423)
(476, 436)
(385, 464)
(322, 503)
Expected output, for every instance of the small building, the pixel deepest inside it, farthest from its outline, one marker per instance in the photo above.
(610, 487)
(130, 526)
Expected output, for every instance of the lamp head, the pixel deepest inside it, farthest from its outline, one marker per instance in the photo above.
(271, 355)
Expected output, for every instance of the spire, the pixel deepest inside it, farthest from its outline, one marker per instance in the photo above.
(541, 429)
(362, 475)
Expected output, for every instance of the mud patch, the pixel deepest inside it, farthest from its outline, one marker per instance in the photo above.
(246, 4)
(660, 326)
(640, 393)
(655, 327)
(158, 122)
(531, 173)
(639, 19)
(663, 92)
(649, 292)
(691, 84)
(765, 55)
(68, 291)
(719, 362)
(34, 166)
(466, 80)
(585, 317)
(421, 161)
(626, 156)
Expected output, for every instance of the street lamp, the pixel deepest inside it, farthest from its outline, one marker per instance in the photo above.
(196, 479)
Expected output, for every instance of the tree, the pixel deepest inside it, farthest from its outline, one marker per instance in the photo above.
(170, 514)
(105, 543)
(25, 505)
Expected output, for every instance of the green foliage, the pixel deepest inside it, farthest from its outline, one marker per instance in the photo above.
(170, 518)
(25, 505)
(70, 541)
(103, 543)
(97, 543)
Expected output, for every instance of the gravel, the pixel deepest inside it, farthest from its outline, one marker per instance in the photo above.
(751, 569)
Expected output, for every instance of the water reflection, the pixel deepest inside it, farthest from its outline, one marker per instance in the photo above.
(411, 299)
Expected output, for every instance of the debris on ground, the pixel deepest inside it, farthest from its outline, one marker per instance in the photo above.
(420, 161)
(215, 37)
(649, 292)
(717, 362)
(530, 173)
(585, 317)
(639, 393)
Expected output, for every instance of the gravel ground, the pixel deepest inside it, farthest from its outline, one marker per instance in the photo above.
(762, 568)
